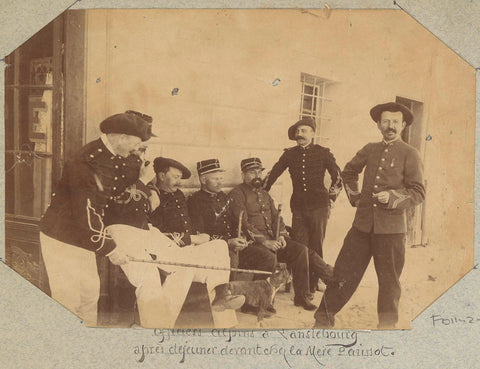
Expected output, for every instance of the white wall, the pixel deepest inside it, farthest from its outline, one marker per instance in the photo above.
(223, 63)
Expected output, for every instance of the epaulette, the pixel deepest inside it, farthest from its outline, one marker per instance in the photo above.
(289, 148)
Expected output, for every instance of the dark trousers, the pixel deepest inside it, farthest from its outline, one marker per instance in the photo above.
(299, 259)
(257, 257)
(388, 251)
(309, 226)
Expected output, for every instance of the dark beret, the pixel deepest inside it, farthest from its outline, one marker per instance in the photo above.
(160, 164)
(376, 111)
(130, 123)
(307, 121)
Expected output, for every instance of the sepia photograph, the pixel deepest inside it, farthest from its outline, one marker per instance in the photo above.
(255, 168)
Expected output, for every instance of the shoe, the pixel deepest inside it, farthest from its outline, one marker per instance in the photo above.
(271, 309)
(229, 302)
(302, 301)
(309, 296)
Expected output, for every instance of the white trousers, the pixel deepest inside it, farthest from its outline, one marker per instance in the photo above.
(141, 243)
(73, 277)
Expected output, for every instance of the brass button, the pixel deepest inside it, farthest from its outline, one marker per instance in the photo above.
(374, 205)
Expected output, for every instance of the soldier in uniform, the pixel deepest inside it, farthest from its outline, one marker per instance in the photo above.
(210, 212)
(392, 182)
(172, 219)
(126, 218)
(261, 221)
(311, 201)
(72, 228)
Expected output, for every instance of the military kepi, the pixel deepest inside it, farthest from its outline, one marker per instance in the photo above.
(376, 111)
(162, 163)
(251, 163)
(208, 166)
(130, 123)
(306, 121)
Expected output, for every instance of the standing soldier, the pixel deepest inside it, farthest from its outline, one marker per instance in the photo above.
(72, 228)
(311, 201)
(392, 182)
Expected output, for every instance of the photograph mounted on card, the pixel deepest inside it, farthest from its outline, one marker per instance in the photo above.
(171, 132)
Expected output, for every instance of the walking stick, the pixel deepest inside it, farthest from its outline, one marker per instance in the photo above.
(239, 231)
(162, 262)
(277, 233)
(277, 236)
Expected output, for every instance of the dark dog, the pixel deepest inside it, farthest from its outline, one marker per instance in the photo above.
(259, 293)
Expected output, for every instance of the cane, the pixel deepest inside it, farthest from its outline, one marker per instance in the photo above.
(277, 236)
(277, 233)
(239, 232)
(200, 266)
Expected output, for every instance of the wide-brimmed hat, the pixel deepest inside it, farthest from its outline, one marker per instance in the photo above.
(130, 123)
(209, 166)
(307, 121)
(161, 163)
(251, 163)
(376, 111)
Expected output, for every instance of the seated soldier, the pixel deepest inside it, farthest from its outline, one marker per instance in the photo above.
(172, 219)
(263, 224)
(209, 211)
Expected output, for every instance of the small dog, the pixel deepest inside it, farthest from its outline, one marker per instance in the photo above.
(259, 293)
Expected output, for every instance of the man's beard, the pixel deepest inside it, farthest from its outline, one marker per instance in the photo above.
(256, 182)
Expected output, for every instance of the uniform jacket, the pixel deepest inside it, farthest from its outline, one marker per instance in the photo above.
(93, 174)
(394, 167)
(172, 218)
(210, 213)
(132, 207)
(307, 168)
(260, 216)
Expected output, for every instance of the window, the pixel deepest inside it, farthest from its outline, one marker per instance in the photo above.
(314, 102)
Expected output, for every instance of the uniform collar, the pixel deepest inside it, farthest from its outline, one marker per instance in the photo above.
(107, 143)
(306, 147)
(391, 142)
(209, 194)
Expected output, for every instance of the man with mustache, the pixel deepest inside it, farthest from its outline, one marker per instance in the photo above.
(72, 228)
(392, 182)
(261, 223)
(311, 201)
(171, 217)
(210, 212)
